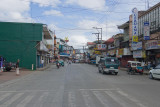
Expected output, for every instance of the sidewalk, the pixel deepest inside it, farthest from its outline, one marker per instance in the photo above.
(11, 75)
(125, 69)
(45, 67)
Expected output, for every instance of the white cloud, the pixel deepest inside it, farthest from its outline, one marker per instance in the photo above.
(53, 12)
(91, 4)
(45, 3)
(14, 10)
(78, 41)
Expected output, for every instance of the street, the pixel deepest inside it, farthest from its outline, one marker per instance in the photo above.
(80, 85)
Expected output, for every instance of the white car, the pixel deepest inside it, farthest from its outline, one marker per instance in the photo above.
(155, 73)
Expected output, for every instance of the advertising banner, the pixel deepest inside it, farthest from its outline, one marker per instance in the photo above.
(101, 46)
(152, 45)
(134, 25)
(139, 54)
(146, 31)
(137, 46)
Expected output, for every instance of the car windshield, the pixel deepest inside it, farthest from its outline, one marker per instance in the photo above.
(112, 61)
(157, 67)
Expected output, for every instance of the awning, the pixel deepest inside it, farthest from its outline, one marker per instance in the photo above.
(64, 54)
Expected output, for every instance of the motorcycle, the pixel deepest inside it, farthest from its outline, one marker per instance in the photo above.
(57, 64)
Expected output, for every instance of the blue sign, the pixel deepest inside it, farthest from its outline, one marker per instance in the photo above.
(146, 31)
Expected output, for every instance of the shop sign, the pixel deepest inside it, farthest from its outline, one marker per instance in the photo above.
(134, 25)
(101, 46)
(97, 52)
(146, 31)
(137, 46)
(139, 54)
(153, 45)
(120, 51)
(119, 56)
(126, 51)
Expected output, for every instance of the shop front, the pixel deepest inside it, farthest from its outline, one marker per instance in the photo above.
(153, 52)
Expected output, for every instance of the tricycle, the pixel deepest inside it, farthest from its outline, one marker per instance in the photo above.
(135, 67)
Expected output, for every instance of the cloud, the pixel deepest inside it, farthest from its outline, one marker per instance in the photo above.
(14, 10)
(90, 4)
(45, 3)
(53, 13)
(78, 41)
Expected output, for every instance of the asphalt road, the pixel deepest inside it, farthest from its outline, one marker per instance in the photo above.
(80, 85)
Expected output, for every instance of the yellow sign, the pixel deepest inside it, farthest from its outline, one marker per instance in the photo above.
(97, 52)
(66, 39)
(135, 38)
(143, 54)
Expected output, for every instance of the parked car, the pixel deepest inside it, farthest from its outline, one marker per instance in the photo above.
(109, 65)
(6, 66)
(155, 73)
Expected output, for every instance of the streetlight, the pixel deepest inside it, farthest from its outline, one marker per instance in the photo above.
(99, 32)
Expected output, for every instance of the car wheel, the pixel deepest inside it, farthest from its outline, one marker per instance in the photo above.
(116, 73)
(103, 71)
(99, 70)
(151, 76)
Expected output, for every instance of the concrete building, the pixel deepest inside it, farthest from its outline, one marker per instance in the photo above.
(24, 41)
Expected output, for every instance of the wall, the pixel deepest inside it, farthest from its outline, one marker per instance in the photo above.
(18, 41)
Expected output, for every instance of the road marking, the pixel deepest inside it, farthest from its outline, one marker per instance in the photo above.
(14, 98)
(101, 98)
(24, 102)
(87, 99)
(99, 89)
(71, 99)
(117, 99)
(4, 96)
(29, 91)
(39, 102)
(131, 98)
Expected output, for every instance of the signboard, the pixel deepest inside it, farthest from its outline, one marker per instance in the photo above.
(134, 25)
(152, 45)
(126, 51)
(97, 52)
(146, 31)
(137, 46)
(139, 54)
(120, 51)
(101, 46)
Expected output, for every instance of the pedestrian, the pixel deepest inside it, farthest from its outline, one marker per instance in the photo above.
(42, 61)
(17, 67)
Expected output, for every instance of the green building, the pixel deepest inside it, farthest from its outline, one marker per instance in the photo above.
(24, 41)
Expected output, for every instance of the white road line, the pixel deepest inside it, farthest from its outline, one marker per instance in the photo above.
(101, 98)
(117, 99)
(4, 96)
(99, 89)
(71, 99)
(131, 98)
(24, 102)
(10, 101)
(39, 102)
(88, 100)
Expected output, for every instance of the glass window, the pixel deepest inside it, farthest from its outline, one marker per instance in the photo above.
(157, 67)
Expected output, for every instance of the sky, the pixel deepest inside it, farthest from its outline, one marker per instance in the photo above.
(74, 19)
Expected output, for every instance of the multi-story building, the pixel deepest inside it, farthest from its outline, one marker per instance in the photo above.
(25, 41)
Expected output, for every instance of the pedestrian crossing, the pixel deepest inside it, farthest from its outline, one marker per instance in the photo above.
(78, 98)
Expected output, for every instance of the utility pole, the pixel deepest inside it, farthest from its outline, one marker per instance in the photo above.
(97, 34)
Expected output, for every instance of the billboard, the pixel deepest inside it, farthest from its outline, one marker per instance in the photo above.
(134, 25)
(146, 31)
(101, 46)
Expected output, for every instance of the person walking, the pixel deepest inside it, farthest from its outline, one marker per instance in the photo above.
(17, 67)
